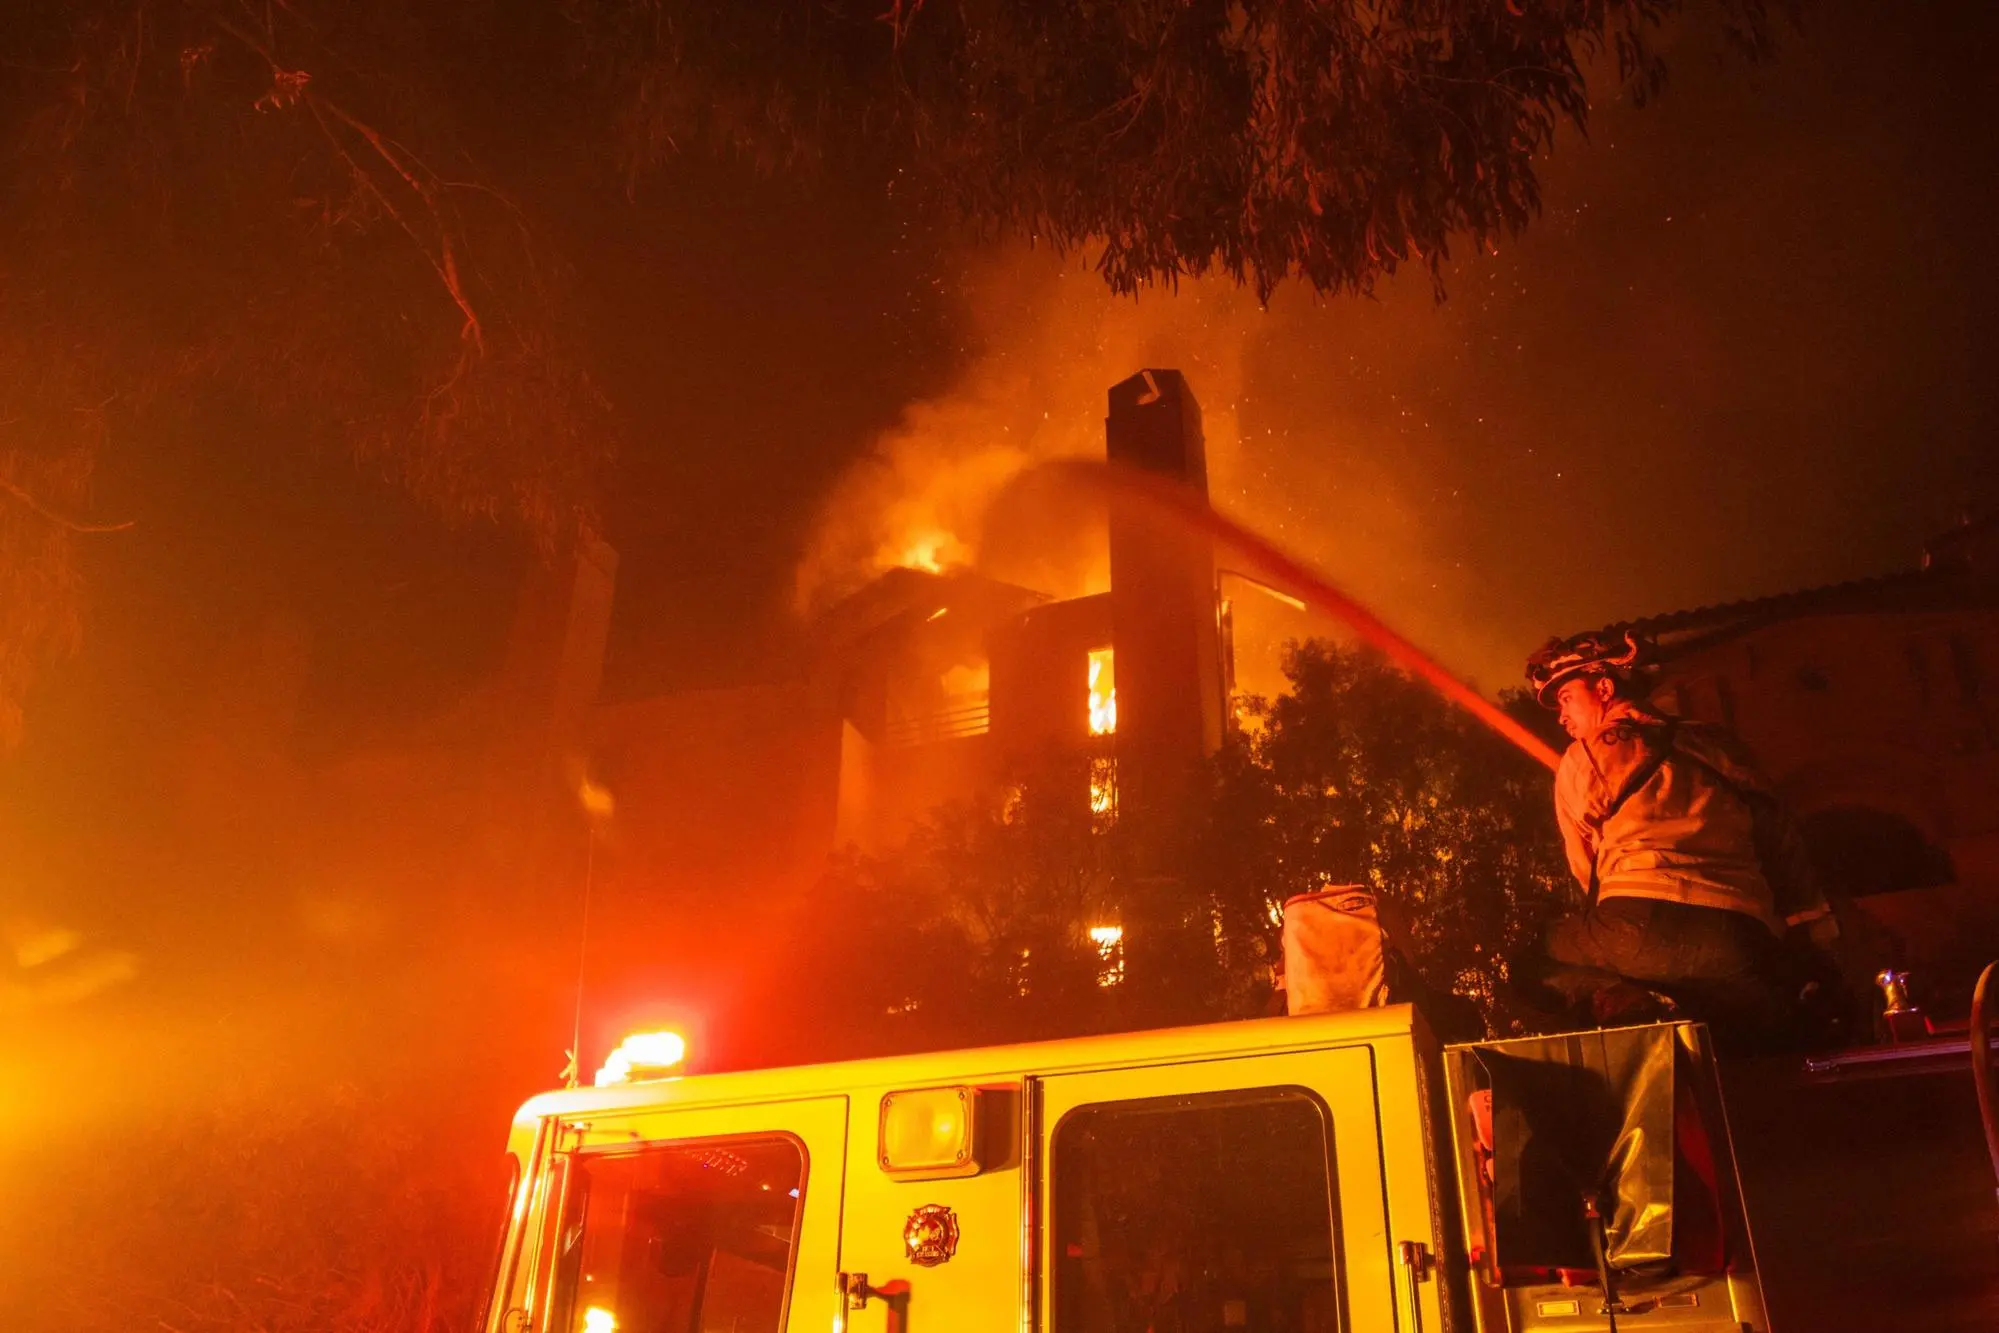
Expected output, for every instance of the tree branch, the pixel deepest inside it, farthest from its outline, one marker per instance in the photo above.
(446, 259)
(412, 173)
(28, 499)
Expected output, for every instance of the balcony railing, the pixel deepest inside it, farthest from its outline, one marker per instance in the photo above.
(971, 717)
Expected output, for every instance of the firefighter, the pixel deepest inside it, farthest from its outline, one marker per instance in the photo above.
(1690, 866)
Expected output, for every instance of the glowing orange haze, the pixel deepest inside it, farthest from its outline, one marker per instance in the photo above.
(927, 549)
(1046, 343)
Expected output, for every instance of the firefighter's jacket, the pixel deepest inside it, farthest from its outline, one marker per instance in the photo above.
(1657, 807)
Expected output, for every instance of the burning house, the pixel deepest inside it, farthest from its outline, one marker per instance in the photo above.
(919, 688)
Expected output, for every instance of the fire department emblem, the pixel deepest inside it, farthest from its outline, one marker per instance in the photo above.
(931, 1235)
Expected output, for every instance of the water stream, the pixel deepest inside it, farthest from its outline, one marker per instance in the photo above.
(1179, 509)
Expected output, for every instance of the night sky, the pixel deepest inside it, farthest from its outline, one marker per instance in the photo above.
(1748, 348)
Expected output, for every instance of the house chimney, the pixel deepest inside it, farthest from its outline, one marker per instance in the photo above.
(1166, 635)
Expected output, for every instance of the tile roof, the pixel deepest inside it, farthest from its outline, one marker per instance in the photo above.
(1907, 591)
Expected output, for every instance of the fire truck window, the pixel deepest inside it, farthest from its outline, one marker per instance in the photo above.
(683, 1238)
(1195, 1215)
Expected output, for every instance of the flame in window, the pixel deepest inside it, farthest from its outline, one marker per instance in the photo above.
(1103, 692)
(1110, 948)
(1103, 791)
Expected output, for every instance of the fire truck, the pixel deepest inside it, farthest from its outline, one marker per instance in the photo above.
(1340, 1171)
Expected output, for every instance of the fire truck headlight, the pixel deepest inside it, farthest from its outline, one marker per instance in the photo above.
(930, 1133)
(643, 1055)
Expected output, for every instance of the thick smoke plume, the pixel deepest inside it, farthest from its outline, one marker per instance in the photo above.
(1043, 341)
(1302, 443)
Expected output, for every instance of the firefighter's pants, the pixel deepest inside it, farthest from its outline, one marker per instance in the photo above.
(1722, 966)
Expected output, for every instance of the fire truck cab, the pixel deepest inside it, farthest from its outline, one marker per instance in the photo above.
(1283, 1175)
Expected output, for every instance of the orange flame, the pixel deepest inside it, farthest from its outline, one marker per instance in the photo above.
(931, 549)
(1109, 941)
(1103, 692)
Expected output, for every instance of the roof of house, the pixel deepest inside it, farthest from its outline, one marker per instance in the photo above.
(1947, 580)
(903, 597)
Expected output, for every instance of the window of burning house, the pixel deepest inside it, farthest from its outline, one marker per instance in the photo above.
(1103, 790)
(1856, 852)
(1195, 1213)
(681, 1236)
(1109, 944)
(1102, 685)
(1103, 692)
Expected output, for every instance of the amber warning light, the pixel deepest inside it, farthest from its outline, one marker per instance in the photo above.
(643, 1055)
(930, 1133)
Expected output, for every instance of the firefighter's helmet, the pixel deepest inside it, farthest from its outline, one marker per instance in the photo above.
(1621, 654)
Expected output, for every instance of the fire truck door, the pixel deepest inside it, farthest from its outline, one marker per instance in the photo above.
(707, 1217)
(1229, 1194)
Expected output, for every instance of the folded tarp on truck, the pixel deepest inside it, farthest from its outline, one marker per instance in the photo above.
(1629, 1119)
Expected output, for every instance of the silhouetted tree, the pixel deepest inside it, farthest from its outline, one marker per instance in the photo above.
(275, 208)
(347, 1212)
(978, 929)
(1359, 774)
(1329, 140)
(974, 930)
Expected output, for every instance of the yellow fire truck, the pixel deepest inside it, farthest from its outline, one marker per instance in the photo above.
(1281, 1175)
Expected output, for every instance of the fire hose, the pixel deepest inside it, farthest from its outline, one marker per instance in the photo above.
(1189, 510)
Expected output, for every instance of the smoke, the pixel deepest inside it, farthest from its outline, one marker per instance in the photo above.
(1303, 443)
(1043, 341)
(50, 966)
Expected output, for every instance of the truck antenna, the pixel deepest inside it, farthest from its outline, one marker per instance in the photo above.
(572, 1072)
